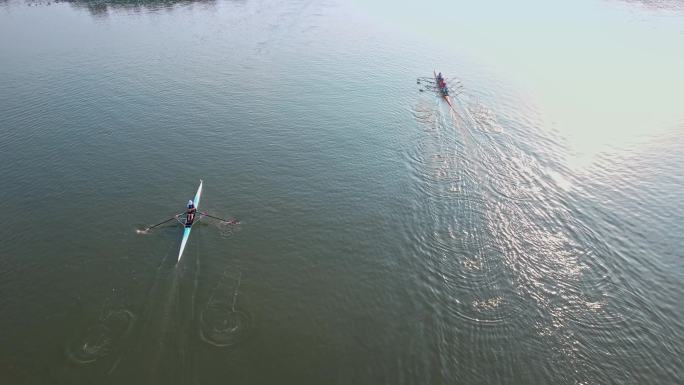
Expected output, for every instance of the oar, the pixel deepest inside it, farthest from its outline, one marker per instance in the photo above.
(161, 223)
(220, 219)
(428, 89)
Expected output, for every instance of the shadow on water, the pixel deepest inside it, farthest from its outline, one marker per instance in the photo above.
(102, 8)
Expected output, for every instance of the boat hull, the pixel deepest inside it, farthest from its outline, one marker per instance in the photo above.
(442, 92)
(186, 230)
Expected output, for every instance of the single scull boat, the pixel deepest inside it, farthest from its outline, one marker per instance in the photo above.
(182, 218)
(188, 227)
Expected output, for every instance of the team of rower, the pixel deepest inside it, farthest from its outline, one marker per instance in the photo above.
(442, 84)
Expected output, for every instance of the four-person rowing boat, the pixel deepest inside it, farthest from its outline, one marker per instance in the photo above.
(439, 84)
(442, 87)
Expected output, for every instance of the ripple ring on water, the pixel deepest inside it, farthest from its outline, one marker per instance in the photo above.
(224, 330)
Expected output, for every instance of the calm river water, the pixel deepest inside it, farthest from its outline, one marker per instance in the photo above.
(531, 235)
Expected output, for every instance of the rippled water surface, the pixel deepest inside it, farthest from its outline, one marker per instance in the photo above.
(531, 234)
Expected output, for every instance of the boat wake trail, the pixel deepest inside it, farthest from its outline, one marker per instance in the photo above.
(221, 323)
(155, 358)
(505, 243)
(483, 117)
(512, 250)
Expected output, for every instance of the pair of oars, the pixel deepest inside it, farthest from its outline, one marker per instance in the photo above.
(229, 221)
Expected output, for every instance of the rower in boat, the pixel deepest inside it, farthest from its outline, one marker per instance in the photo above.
(441, 83)
(438, 83)
(443, 87)
(190, 214)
